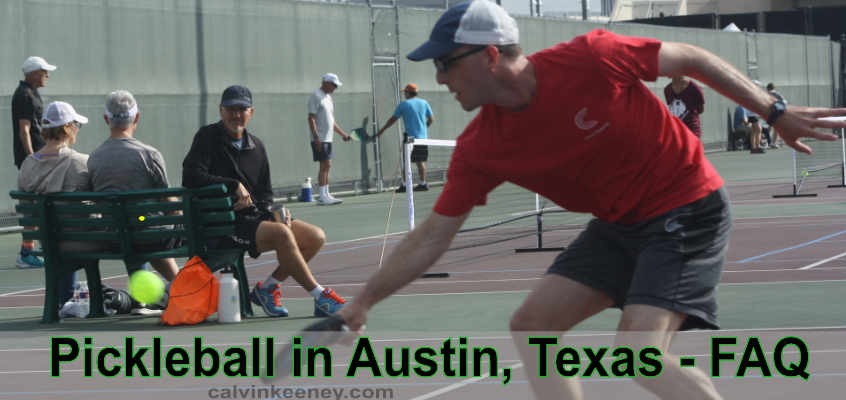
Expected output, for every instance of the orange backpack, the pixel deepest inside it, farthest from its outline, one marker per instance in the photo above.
(193, 295)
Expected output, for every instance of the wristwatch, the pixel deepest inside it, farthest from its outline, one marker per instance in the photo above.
(776, 109)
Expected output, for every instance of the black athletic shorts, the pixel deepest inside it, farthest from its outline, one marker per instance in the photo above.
(325, 152)
(672, 261)
(247, 222)
(420, 153)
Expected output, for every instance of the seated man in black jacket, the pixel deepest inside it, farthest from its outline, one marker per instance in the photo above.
(224, 152)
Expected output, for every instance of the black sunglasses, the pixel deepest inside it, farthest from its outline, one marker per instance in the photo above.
(442, 63)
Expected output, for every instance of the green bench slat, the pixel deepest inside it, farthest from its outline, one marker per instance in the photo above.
(92, 236)
(155, 255)
(217, 217)
(158, 234)
(31, 235)
(156, 220)
(151, 207)
(101, 223)
(217, 231)
(82, 209)
(31, 221)
(26, 208)
(213, 204)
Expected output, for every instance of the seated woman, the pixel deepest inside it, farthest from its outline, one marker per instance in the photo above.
(57, 167)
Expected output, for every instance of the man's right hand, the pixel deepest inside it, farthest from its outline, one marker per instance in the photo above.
(244, 199)
(354, 316)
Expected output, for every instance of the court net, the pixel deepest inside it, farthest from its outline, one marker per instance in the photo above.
(826, 167)
(510, 211)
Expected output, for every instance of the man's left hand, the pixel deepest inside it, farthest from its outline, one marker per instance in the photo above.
(798, 122)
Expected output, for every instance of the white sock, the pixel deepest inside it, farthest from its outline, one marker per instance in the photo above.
(316, 292)
(324, 191)
(270, 282)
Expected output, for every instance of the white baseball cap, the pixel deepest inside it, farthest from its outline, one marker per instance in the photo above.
(59, 113)
(36, 63)
(330, 77)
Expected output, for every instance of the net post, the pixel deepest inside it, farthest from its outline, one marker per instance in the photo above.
(842, 161)
(538, 232)
(407, 146)
(796, 184)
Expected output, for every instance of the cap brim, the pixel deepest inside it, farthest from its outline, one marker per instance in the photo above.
(235, 102)
(81, 119)
(49, 67)
(432, 49)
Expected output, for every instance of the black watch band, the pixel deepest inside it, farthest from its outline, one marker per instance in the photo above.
(776, 110)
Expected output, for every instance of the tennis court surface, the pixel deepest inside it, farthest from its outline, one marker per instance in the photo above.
(785, 276)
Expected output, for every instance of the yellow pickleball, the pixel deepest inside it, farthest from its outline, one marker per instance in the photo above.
(141, 218)
(146, 287)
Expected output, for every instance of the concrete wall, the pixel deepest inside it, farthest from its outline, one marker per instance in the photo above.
(178, 55)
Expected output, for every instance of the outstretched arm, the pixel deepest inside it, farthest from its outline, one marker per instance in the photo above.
(416, 253)
(683, 59)
(387, 125)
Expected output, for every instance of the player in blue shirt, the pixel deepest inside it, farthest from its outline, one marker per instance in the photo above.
(417, 117)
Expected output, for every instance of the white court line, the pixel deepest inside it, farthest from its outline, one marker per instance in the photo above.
(458, 385)
(821, 262)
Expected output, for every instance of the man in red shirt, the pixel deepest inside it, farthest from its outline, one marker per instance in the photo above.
(657, 245)
(685, 101)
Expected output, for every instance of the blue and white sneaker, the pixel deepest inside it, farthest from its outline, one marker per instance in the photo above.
(328, 303)
(269, 299)
(28, 260)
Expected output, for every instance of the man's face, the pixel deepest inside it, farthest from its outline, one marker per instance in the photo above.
(38, 78)
(464, 74)
(235, 118)
(328, 87)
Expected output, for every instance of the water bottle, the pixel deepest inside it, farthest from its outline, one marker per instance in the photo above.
(83, 292)
(84, 304)
(305, 190)
(228, 304)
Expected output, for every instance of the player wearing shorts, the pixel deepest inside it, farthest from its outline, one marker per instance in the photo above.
(417, 117)
(225, 152)
(657, 245)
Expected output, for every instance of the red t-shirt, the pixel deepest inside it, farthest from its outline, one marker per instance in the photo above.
(594, 139)
(686, 105)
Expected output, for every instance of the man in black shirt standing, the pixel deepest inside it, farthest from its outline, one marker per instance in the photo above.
(26, 126)
(225, 152)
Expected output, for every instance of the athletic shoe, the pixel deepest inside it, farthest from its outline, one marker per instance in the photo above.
(400, 189)
(328, 201)
(422, 187)
(28, 261)
(328, 303)
(269, 299)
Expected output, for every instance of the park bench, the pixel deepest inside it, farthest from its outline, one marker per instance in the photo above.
(113, 224)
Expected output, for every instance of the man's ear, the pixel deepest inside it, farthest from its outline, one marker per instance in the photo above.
(493, 55)
(137, 117)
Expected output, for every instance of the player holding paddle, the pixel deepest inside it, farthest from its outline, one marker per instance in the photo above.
(575, 123)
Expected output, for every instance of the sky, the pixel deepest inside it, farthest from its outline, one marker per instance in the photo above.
(522, 6)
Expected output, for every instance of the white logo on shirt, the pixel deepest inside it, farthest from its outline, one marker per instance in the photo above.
(580, 122)
(678, 108)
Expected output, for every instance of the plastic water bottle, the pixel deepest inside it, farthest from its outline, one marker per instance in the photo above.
(83, 292)
(84, 304)
(228, 304)
(305, 191)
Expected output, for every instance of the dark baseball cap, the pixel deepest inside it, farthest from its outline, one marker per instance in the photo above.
(236, 95)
